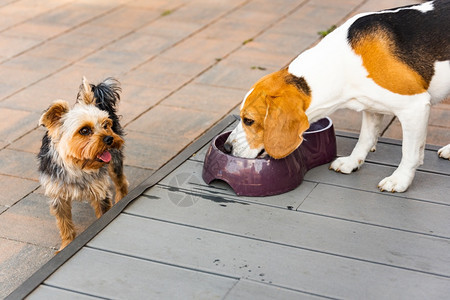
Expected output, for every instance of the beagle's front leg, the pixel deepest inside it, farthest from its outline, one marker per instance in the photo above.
(414, 122)
(370, 131)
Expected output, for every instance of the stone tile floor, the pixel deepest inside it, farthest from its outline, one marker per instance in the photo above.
(183, 64)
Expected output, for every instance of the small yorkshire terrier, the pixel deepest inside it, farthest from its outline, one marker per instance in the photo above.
(81, 146)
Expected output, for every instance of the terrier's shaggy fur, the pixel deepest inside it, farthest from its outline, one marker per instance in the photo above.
(81, 146)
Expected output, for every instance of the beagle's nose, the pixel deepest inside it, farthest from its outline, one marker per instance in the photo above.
(108, 140)
(228, 147)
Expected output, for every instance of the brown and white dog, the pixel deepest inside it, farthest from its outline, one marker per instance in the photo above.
(393, 62)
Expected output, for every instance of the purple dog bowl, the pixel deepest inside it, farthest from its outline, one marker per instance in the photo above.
(268, 176)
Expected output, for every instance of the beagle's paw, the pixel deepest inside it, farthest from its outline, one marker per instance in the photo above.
(346, 164)
(444, 152)
(397, 182)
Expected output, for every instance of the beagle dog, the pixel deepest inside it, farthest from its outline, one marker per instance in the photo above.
(394, 62)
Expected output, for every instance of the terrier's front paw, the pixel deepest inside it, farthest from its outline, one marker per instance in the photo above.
(395, 183)
(346, 164)
(63, 245)
(444, 152)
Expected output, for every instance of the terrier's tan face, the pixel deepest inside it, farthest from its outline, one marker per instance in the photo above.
(81, 135)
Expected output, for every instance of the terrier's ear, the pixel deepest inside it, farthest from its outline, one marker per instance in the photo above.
(85, 95)
(52, 116)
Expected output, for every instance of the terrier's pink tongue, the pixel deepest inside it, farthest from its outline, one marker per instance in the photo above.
(105, 156)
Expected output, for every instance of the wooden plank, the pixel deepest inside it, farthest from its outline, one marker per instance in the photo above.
(384, 140)
(113, 276)
(425, 186)
(380, 209)
(44, 292)
(314, 232)
(307, 271)
(391, 155)
(188, 179)
(247, 289)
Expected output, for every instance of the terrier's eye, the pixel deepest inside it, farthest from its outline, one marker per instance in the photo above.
(105, 126)
(85, 131)
(248, 122)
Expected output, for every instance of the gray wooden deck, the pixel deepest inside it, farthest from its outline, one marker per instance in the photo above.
(335, 236)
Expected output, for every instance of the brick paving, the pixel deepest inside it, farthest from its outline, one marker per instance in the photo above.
(183, 65)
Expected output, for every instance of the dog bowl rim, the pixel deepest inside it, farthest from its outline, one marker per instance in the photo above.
(267, 158)
(330, 123)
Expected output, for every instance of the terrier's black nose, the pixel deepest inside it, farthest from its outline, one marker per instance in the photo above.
(108, 140)
(228, 147)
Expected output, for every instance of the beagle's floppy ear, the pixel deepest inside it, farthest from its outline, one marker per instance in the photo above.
(85, 95)
(283, 127)
(52, 116)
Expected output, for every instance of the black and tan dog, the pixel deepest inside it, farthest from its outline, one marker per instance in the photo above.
(81, 146)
